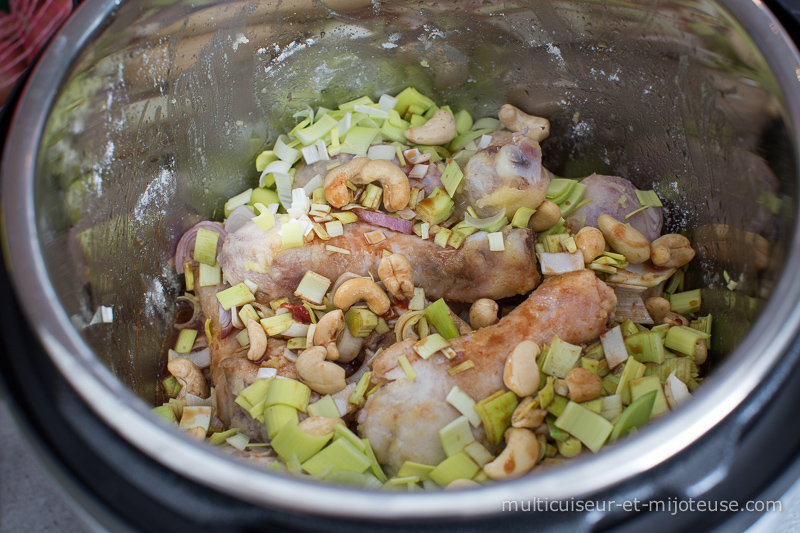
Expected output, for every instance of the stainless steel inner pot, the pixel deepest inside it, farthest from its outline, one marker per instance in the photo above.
(144, 116)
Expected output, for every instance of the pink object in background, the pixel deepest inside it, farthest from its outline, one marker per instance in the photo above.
(23, 32)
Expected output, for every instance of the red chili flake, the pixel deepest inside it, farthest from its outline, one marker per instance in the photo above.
(300, 314)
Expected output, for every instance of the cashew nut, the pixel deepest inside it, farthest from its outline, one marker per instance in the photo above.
(624, 239)
(674, 319)
(190, 377)
(591, 243)
(521, 373)
(584, 385)
(353, 290)
(258, 340)
(546, 216)
(327, 332)
(483, 313)
(395, 272)
(519, 457)
(335, 185)
(321, 376)
(671, 251)
(396, 189)
(319, 426)
(700, 351)
(527, 417)
(658, 308)
(438, 131)
(515, 119)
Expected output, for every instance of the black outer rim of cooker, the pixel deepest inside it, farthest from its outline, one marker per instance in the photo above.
(752, 455)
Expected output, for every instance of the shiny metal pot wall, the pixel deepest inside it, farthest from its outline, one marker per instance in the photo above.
(143, 118)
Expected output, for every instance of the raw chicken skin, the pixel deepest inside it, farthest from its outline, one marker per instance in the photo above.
(464, 275)
(507, 173)
(402, 419)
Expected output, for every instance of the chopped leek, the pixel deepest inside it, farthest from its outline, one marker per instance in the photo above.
(478, 453)
(547, 393)
(358, 140)
(648, 198)
(341, 432)
(685, 303)
(442, 237)
(235, 296)
(573, 200)
(522, 217)
(683, 339)
(341, 455)
(410, 96)
(406, 366)
(382, 327)
(374, 467)
(219, 438)
(464, 404)
(461, 367)
(171, 386)
(265, 220)
(275, 325)
(485, 223)
(319, 129)
(612, 407)
(645, 385)
(296, 343)
(457, 466)
(278, 415)
(205, 247)
(313, 287)
(570, 447)
(430, 345)
(166, 412)
(417, 303)
(288, 392)
(633, 370)
(451, 177)
(324, 407)
(557, 406)
(646, 347)
(463, 121)
(634, 416)
(361, 322)
(456, 435)
(291, 439)
(496, 243)
(265, 158)
(361, 389)
(410, 468)
(588, 427)
(438, 315)
(436, 208)
(463, 139)
(561, 358)
(292, 235)
(255, 393)
(185, 340)
(238, 441)
(495, 412)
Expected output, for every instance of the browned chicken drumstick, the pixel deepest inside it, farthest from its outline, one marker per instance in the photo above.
(403, 418)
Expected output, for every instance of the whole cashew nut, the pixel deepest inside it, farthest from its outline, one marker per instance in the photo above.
(546, 216)
(483, 313)
(258, 340)
(320, 375)
(671, 251)
(658, 308)
(396, 189)
(584, 385)
(395, 273)
(335, 185)
(674, 319)
(190, 377)
(439, 130)
(353, 290)
(327, 332)
(319, 426)
(515, 119)
(519, 457)
(624, 239)
(591, 243)
(521, 373)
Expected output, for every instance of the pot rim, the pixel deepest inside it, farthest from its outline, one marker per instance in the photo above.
(129, 416)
